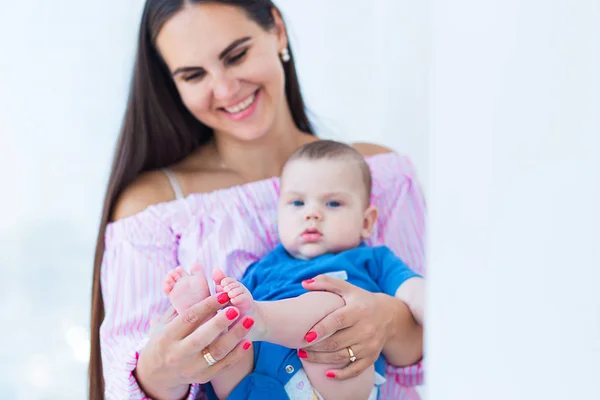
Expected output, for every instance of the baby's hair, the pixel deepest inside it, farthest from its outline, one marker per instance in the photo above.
(332, 150)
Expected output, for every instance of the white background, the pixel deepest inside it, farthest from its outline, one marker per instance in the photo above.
(514, 156)
(64, 69)
(496, 102)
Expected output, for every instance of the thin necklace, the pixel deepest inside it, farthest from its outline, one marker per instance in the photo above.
(221, 164)
(224, 166)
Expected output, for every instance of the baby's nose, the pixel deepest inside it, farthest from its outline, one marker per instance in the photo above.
(313, 215)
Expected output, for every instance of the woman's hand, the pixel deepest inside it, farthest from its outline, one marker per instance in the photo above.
(365, 324)
(173, 357)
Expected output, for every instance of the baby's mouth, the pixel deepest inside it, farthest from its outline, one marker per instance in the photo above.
(311, 235)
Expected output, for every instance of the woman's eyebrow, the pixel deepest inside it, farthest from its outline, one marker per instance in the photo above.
(222, 55)
(233, 45)
(183, 70)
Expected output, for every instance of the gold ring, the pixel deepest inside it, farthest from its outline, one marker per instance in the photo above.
(351, 353)
(208, 357)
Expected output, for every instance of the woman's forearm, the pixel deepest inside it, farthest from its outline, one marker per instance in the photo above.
(404, 345)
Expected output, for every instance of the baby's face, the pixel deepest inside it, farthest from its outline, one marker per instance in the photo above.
(322, 208)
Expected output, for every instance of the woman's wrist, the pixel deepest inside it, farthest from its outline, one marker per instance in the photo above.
(154, 385)
(404, 336)
(392, 323)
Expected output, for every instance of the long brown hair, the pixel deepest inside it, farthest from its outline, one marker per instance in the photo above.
(158, 130)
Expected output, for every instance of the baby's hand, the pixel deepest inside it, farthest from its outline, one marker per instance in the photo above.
(239, 294)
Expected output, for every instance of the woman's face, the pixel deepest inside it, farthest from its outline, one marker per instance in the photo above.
(226, 68)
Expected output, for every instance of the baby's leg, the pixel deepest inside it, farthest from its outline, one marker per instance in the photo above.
(185, 290)
(228, 379)
(357, 388)
(285, 322)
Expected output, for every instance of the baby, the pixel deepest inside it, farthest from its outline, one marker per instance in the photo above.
(324, 215)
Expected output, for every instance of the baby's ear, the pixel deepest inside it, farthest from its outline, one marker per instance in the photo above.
(369, 219)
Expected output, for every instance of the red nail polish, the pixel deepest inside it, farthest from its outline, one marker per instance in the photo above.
(246, 345)
(223, 298)
(248, 322)
(330, 374)
(231, 314)
(302, 354)
(310, 337)
(309, 281)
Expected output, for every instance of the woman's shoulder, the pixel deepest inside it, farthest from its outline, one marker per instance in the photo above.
(139, 216)
(371, 149)
(149, 189)
(385, 161)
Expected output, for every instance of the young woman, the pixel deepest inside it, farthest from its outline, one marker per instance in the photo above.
(214, 112)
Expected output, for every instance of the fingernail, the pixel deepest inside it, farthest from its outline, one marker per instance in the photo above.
(223, 298)
(310, 336)
(302, 354)
(247, 345)
(330, 374)
(248, 322)
(309, 281)
(231, 314)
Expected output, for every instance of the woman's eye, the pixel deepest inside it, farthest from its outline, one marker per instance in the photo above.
(297, 203)
(194, 76)
(234, 59)
(334, 204)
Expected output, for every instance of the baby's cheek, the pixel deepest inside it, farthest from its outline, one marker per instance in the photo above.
(345, 235)
(287, 238)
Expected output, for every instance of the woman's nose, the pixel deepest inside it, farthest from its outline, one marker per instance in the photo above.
(224, 87)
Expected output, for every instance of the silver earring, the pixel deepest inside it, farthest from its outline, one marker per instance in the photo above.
(285, 55)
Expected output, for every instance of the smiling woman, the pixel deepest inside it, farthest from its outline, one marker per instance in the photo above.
(235, 82)
(215, 111)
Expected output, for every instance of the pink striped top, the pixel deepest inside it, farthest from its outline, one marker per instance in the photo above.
(230, 228)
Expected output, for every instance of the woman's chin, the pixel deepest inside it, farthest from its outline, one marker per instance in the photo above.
(250, 135)
(247, 135)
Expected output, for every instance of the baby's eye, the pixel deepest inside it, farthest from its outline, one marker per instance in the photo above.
(297, 203)
(334, 204)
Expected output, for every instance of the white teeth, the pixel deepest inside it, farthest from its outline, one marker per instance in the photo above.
(241, 106)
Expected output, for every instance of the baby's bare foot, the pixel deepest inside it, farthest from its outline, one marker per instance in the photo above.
(185, 290)
(242, 298)
(239, 294)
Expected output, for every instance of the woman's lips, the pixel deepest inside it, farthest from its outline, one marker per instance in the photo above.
(247, 111)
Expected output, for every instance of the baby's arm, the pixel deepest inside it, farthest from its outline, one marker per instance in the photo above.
(395, 278)
(412, 292)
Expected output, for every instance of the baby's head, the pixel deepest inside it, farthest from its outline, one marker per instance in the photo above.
(324, 205)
